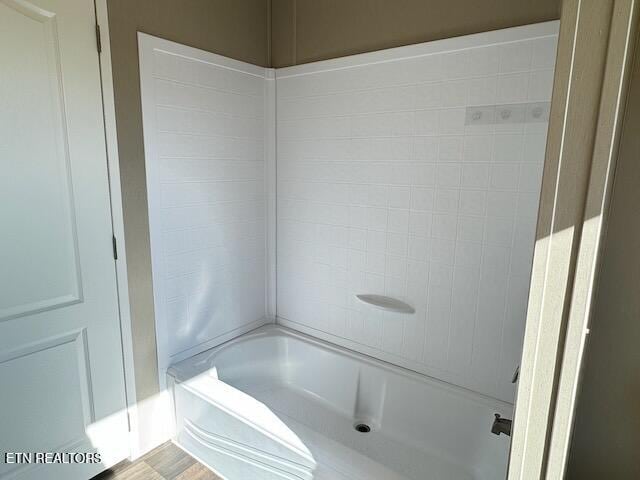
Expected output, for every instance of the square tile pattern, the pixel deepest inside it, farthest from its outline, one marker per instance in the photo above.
(384, 187)
(208, 191)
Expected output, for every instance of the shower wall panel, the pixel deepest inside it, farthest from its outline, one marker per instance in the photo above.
(204, 128)
(415, 173)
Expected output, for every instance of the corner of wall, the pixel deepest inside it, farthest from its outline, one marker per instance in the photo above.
(270, 189)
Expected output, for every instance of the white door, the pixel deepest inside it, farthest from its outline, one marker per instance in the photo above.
(61, 373)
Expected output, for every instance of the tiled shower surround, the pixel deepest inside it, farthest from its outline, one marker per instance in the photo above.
(387, 186)
(412, 173)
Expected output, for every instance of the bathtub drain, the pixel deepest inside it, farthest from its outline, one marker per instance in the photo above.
(362, 427)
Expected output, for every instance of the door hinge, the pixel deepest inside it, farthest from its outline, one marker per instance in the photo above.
(115, 247)
(98, 39)
(128, 421)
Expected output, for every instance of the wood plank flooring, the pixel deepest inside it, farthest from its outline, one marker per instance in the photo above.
(167, 462)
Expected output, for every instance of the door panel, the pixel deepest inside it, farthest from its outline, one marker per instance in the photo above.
(61, 373)
(57, 367)
(43, 265)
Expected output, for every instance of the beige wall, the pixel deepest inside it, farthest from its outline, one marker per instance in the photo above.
(237, 29)
(310, 30)
(606, 438)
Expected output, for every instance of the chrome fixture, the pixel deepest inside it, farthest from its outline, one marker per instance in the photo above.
(501, 425)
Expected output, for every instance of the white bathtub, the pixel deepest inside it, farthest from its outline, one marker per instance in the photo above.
(276, 404)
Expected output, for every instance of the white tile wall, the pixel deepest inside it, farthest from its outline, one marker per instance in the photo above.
(382, 188)
(204, 129)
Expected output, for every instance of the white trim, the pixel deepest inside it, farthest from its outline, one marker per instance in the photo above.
(588, 258)
(148, 42)
(117, 218)
(484, 39)
(583, 130)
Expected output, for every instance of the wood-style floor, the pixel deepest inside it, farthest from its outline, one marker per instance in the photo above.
(167, 462)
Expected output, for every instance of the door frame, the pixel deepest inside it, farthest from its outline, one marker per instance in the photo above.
(117, 220)
(592, 68)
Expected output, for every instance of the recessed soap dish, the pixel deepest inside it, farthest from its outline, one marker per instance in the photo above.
(386, 303)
